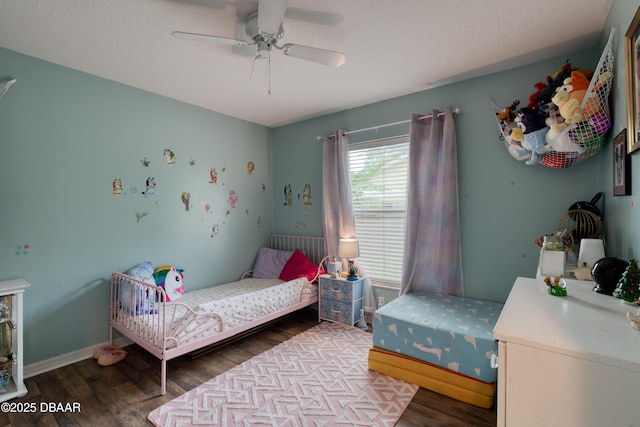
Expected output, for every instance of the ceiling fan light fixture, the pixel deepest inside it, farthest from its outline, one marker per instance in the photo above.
(263, 49)
(264, 27)
(260, 70)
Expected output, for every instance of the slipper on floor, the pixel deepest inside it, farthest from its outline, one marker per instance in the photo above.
(111, 357)
(98, 353)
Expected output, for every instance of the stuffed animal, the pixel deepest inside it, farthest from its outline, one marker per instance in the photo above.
(170, 279)
(554, 81)
(508, 114)
(569, 98)
(535, 99)
(559, 140)
(531, 132)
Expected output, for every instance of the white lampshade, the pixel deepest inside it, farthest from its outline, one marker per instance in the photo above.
(591, 250)
(552, 263)
(348, 248)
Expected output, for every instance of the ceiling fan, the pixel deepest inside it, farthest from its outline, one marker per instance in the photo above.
(264, 28)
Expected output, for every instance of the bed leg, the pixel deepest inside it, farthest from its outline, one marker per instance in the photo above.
(163, 377)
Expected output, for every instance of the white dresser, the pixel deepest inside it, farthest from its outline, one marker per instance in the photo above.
(566, 361)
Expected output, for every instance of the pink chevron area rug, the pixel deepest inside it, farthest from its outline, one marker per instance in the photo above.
(317, 378)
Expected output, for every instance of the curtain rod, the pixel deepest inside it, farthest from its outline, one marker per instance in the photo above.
(427, 116)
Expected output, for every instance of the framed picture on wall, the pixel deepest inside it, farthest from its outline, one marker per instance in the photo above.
(621, 166)
(632, 56)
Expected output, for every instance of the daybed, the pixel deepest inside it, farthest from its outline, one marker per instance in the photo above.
(440, 342)
(166, 328)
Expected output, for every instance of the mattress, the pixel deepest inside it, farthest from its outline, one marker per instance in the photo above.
(452, 332)
(432, 377)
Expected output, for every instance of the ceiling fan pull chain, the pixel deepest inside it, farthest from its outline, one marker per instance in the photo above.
(269, 77)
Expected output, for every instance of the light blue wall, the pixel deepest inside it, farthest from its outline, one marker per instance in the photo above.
(621, 215)
(504, 205)
(65, 137)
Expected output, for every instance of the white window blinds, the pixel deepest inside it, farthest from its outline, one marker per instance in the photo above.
(378, 172)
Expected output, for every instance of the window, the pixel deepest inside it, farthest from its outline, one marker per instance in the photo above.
(378, 172)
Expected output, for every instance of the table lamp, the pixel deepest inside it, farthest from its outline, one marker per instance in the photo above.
(349, 249)
(591, 250)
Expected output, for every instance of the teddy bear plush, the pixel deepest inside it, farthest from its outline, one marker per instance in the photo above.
(531, 132)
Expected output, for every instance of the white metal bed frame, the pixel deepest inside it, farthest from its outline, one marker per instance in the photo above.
(150, 331)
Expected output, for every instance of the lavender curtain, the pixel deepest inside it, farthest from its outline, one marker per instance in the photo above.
(337, 203)
(432, 261)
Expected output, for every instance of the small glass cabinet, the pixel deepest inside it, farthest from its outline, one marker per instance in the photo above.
(11, 345)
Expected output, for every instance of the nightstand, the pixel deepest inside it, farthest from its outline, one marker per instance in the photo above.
(340, 299)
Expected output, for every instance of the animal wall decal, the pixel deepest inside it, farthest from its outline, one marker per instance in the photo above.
(306, 195)
(250, 168)
(150, 187)
(116, 187)
(213, 175)
(186, 198)
(169, 157)
(287, 195)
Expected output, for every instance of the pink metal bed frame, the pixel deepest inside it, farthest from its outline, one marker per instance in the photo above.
(151, 330)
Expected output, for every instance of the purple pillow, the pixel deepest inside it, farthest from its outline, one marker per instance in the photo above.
(269, 263)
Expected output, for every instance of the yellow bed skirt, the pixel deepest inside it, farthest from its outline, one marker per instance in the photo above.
(432, 377)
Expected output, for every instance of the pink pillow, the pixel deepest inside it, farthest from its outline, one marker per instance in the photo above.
(298, 266)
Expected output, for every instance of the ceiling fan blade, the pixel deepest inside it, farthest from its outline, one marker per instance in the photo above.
(270, 16)
(314, 16)
(314, 54)
(203, 37)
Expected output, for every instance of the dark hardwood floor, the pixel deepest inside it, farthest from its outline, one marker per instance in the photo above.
(123, 394)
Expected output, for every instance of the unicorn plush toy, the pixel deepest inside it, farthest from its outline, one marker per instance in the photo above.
(170, 279)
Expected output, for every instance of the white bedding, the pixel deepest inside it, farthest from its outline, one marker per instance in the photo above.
(236, 303)
(248, 299)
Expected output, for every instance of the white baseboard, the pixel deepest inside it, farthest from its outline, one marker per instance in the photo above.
(69, 358)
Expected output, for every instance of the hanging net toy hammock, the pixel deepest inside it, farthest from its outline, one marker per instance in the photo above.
(566, 119)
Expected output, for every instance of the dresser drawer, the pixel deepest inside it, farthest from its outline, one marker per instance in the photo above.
(337, 290)
(337, 311)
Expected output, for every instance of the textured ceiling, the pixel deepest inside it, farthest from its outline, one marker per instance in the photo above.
(392, 47)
